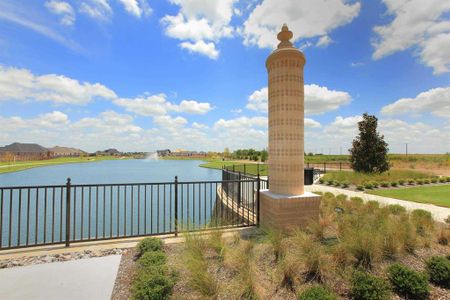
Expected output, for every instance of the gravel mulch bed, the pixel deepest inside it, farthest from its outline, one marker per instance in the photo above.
(43, 259)
(125, 275)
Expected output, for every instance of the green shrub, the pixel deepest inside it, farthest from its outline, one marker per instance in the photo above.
(385, 184)
(394, 183)
(317, 292)
(434, 180)
(365, 286)
(447, 220)
(426, 181)
(368, 185)
(150, 244)
(442, 179)
(396, 209)
(357, 200)
(321, 180)
(337, 183)
(408, 283)
(423, 221)
(330, 182)
(360, 187)
(401, 182)
(345, 184)
(411, 181)
(152, 286)
(152, 259)
(447, 179)
(419, 181)
(438, 268)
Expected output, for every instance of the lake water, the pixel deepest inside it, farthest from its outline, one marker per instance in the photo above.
(106, 200)
(112, 171)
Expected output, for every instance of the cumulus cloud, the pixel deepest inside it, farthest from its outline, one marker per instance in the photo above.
(200, 24)
(435, 101)
(157, 105)
(318, 99)
(307, 19)
(21, 84)
(207, 49)
(62, 8)
(137, 8)
(420, 25)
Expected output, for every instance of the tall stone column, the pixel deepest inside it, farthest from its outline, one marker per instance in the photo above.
(286, 117)
(286, 206)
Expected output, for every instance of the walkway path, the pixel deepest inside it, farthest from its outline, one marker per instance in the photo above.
(91, 278)
(439, 213)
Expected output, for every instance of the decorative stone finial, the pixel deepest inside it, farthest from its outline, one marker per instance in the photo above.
(284, 36)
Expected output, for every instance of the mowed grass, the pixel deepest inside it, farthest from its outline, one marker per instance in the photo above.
(250, 168)
(6, 167)
(360, 178)
(437, 195)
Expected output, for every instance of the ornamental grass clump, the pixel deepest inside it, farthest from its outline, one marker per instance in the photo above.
(275, 238)
(442, 179)
(365, 286)
(423, 221)
(438, 269)
(411, 181)
(426, 181)
(196, 264)
(384, 184)
(396, 209)
(401, 182)
(239, 259)
(345, 184)
(216, 243)
(434, 180)
(360, 187)
(394, 183)
(317, 292)
(408, 283)
(368, 185)
(419, 181)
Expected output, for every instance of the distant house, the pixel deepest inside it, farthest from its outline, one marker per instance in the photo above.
(24, 151)
(185, 153)
(162, 153)
(58, 151)
(112, 152)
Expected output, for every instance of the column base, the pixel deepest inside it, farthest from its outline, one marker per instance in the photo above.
(287, 213)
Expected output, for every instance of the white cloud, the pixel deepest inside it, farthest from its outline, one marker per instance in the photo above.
(305, 18)
(97, 9)
(137, 8)
(157, 105)
(62, 8)
(324, 41)
(435, 101)
(200, 24)
(208, 49)
(312, 123)
(21, 84)
(242, 122)
(318, 99)
(199, 125)
(417, 24)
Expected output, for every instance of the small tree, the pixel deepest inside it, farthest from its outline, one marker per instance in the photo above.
(369, 151)
(264, 155)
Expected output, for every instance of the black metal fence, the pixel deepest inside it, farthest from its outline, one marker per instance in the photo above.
(64, 214)
(319, 167)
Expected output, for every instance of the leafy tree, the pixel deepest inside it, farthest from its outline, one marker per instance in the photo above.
(264, 155)
(226, 152)
(369, 151)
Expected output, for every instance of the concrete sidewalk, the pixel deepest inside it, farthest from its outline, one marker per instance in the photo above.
(439, 213)
(91, 278)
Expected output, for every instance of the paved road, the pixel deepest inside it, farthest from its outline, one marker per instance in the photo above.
(91, 278)
(439, 213)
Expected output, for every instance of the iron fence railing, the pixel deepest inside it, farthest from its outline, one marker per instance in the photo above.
(64, 214)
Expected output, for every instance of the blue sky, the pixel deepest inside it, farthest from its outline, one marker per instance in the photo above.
(140, 75)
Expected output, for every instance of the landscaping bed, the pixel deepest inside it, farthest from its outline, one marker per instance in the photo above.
(356, 251)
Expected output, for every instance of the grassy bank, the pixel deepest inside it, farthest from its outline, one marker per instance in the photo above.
(6, 167)
(250, 168)
(437, 195)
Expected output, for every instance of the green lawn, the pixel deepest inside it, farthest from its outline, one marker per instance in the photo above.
(250, 168)
(437, 195)
(360, 178)
(23, 165)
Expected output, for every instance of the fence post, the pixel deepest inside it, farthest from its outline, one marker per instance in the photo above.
(324, 167)
(239, 190)
(68, 212)
(176, 205)
(245, 170)
(233, 169)
(340, 166)
(258, 188)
